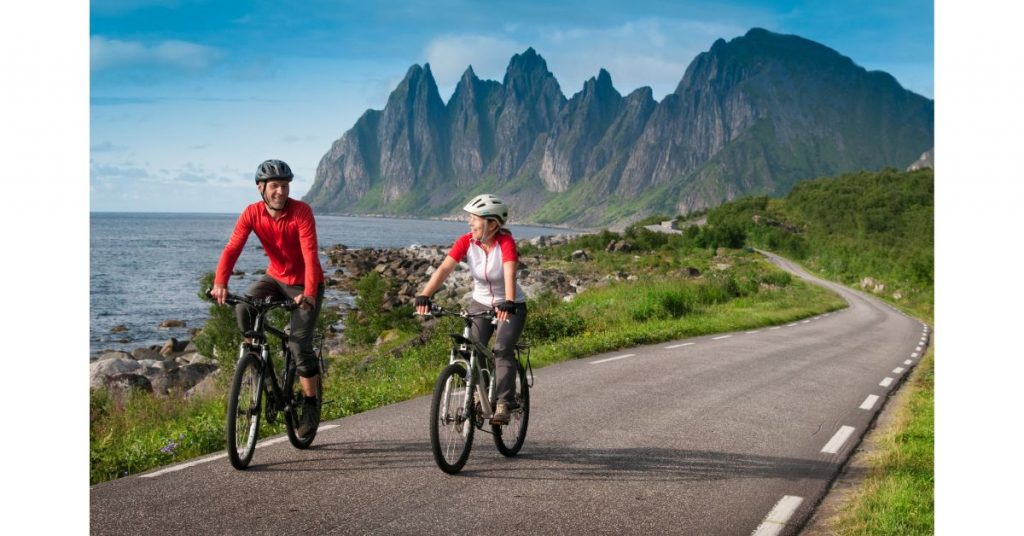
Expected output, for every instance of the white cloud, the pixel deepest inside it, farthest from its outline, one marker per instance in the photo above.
(114, 54)
(637, 53)
(450, 55)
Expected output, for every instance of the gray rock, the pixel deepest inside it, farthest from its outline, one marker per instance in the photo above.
(127, 382)
(115, 354)
(208, 386)
(146, 353)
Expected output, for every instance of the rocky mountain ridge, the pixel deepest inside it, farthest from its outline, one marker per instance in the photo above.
(754, 115)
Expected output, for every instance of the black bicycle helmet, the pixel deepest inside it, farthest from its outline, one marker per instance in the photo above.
(274, 170)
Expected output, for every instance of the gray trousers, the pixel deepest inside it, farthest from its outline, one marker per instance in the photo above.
(303, 324)
(504, 346)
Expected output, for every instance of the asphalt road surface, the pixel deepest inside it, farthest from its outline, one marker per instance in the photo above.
(733, 434)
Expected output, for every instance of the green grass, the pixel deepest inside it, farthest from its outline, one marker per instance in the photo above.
(898, 495)
(140, 432)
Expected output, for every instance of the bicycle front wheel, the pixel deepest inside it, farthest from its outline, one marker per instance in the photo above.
(244, 410)
(510, 437)
(451, 428)
(296, 411)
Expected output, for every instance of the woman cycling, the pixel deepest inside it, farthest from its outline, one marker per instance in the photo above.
(490, 251)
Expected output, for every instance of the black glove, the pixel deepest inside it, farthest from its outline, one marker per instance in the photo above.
(507, 307)
(423, 301)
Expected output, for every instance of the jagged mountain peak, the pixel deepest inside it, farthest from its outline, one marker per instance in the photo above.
(751, 115)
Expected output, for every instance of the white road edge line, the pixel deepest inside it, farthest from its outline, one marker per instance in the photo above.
(753, 332)
(680, 345)
(915, 354)
(776, 327)
(838, 440)
(790, 325)
(907, 362)
(193, 463)
(897, 370)
(599, 361)
(886, 382)
(869, 402)
(776, 520)
(721, 337)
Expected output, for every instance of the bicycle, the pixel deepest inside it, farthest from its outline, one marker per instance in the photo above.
(256, 377)
(460, 405)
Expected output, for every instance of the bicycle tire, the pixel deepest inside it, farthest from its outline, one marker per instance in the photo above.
(243, 418)
(451, 432)
(293, 415)
(510, 437)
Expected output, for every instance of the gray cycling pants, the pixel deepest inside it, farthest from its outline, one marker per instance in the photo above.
(504, 346)
(303, 324)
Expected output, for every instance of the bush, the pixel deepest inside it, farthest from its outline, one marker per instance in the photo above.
(369, 319)
(548, 319)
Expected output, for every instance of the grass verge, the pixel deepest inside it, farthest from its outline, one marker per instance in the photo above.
(898, 494)
(138, 432)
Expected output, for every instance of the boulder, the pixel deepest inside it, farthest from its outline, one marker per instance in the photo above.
(209, 386)
(146, 353)
(172, 324)
(580, 255)
(125, 383)
(100, 370)
(173, 346)
(181, 379)
(386, 337)
(119, 328)
(115, 354)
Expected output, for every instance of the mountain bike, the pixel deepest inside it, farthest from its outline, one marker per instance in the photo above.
(256, 377)
(464, 398)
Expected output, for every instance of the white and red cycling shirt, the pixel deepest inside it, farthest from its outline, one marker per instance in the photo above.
(487, 269)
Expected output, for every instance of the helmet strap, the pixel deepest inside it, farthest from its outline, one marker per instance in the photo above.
(263, 195)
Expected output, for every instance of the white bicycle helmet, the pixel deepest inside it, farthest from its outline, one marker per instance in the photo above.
(488, 206)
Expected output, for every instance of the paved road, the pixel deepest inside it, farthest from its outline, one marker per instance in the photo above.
(730, 434)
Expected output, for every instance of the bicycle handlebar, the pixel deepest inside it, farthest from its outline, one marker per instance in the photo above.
(265, 304)
(438, 311)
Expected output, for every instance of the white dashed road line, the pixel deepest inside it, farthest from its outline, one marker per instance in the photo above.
(599, 361)
(869, 402)
(720, 337)
(886, 382)
(897, 370)
(776, 520)
(907, 362)
(838, 440)
(679, 345)
(753, 332)
(193, 463)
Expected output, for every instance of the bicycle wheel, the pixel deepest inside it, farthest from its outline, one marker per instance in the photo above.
(244, 410)
(296, 409)
(509, 438)
(451, 429)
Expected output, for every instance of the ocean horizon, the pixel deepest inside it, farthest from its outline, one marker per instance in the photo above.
(146, 267)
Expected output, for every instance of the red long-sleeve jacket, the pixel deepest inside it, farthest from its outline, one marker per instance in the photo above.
(289, 242)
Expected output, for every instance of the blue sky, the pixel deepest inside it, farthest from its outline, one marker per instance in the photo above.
(188, 96)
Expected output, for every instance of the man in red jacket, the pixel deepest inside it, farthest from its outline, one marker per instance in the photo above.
(287, 231)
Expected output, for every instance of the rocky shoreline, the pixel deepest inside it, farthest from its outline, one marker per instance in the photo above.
(178, 367)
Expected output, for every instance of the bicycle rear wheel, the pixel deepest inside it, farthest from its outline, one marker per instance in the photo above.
(451, 429)
(243, 419)
(509, 438)
(294, 414)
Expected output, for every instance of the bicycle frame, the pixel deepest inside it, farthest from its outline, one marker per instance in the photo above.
(281, 400)
(480, 374)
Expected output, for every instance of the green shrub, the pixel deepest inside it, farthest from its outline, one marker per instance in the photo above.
(549, 318)
(369, 319)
